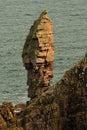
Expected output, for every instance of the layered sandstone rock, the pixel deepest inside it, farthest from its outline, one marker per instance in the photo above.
(62, 106)
(38, 55)
(7, 116)
(71, 94)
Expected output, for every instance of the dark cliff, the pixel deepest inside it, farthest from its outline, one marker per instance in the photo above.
(62, 106)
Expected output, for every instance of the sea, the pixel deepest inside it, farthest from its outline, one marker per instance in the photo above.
(70, 38)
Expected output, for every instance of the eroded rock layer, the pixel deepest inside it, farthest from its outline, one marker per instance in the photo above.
(71, 93)
(7, 116)
(62, 107)
(38, 55)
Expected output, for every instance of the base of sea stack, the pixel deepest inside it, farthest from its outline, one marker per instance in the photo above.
(62, 107)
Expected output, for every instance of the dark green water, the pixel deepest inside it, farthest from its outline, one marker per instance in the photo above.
(70, 34)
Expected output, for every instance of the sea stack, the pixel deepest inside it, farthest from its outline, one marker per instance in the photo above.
(38, 55)
(62, 106)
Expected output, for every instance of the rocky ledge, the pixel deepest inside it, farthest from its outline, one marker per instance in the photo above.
(62, 106)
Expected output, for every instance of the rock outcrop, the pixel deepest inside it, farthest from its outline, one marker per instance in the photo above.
(7, 116)
(38, 55)
(71, 93)
(62, 106)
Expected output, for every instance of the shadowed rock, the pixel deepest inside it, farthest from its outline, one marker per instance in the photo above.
(63, 106)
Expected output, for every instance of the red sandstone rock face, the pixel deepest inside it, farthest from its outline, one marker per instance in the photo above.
(38, 55)
(7, 116)
(62, 106)
(2, 123)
